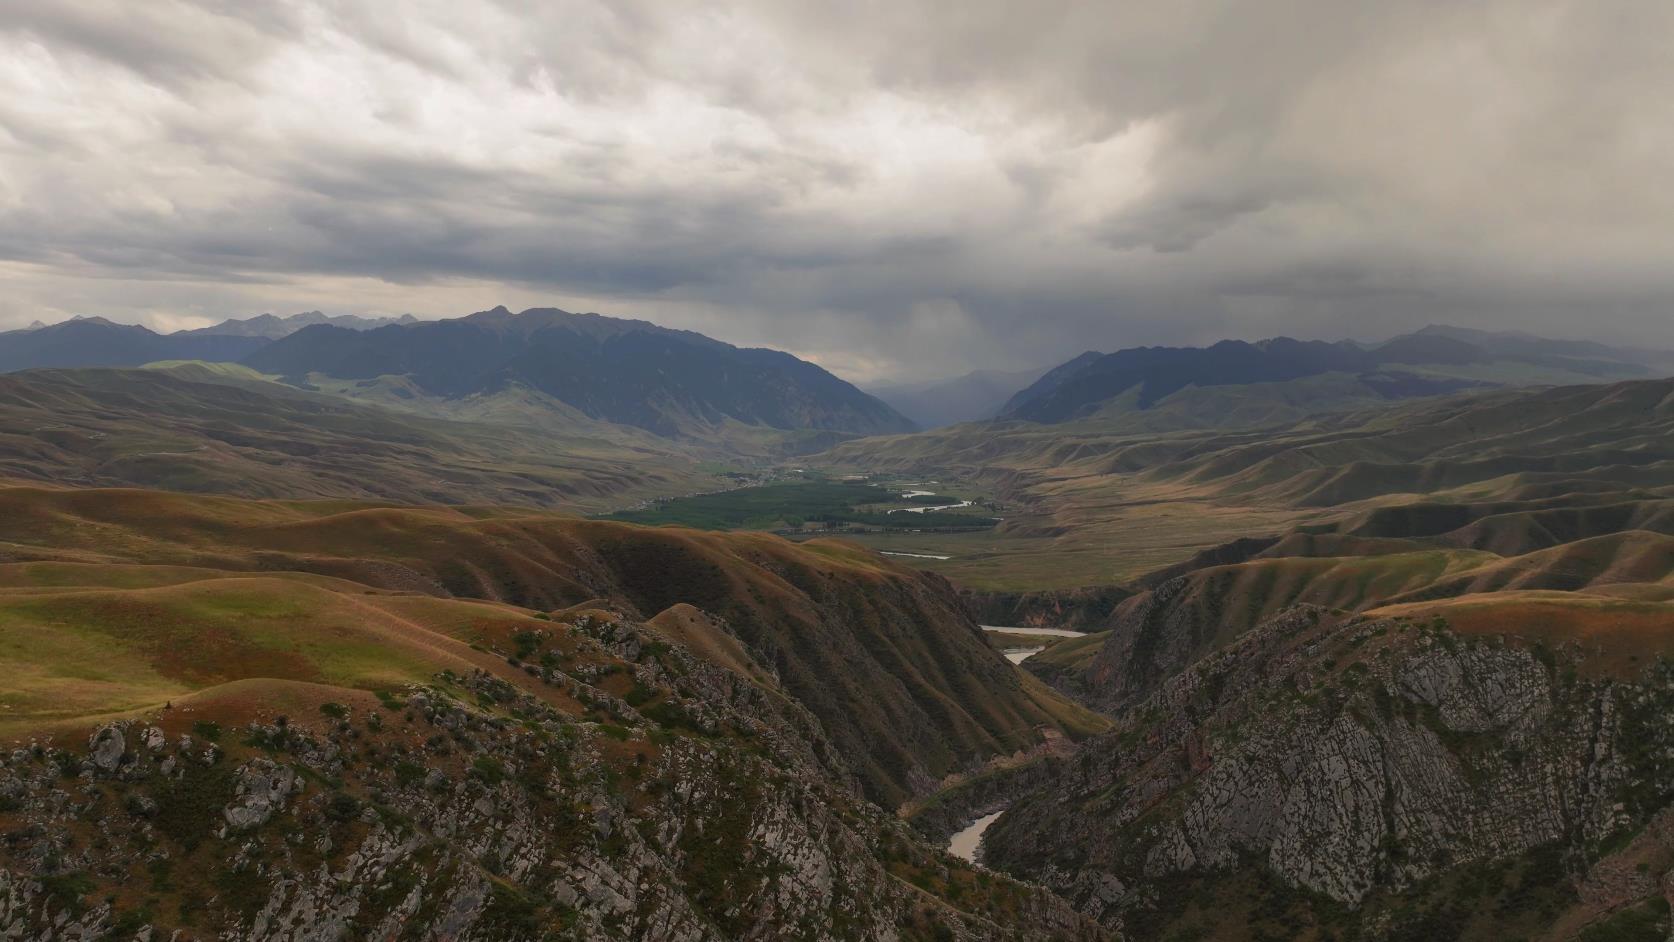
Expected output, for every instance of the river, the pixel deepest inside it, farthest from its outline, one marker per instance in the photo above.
(927, 510)
(964, 844)
(1054, 632)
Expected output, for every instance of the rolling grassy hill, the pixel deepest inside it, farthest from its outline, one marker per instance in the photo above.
(217, 428)
(247, 745)
(884, 656)
(80, 653)
(1158, 632)
(1106, 506)
(1609, 637)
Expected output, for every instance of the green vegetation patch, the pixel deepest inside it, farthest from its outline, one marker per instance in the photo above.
(831, 504)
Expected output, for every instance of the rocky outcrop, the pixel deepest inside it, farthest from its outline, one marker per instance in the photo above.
(692, 804)
(1152, 636)
(263, 787)
(1350, 760)
(106, 748)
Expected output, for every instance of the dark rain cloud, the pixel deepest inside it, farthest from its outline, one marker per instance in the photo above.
(890, 187)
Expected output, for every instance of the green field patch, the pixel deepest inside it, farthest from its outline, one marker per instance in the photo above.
(803, 505)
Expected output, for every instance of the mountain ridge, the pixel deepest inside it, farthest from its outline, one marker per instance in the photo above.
(678, 384)
(671, 382)
(97, 342)
(1432, 361)
(274, 326)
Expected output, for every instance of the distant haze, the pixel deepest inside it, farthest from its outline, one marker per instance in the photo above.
(897, 191)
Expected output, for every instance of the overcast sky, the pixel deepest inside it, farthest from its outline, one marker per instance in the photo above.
(890, 189)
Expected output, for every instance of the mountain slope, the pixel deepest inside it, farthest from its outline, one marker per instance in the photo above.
(1101, 501)
(1565, 489)
(1434, 361)
(1579, 355)
(1411, 774)
(1578, 437)
(1438, 712)
(273, 327)
(673, 383)
(1399, 673)
(211, 429)
(1158, 372)
(1165, 629)
(1050, 381)
(94, 341)
(284, 757)
(905, 685)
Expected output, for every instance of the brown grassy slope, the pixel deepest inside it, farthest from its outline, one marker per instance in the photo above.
(165, 429)
(885, 656)
(78, 654)
(1161, 631)
(1103, 506)
(1616, 433)
(1611, 637)
(253, 670)
(1514, 527)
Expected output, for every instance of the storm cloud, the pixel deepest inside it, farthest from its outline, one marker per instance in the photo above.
(892, 189)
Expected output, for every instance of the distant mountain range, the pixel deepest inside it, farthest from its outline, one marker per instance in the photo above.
(274, 327)
(555, 370)
(1155, 388)
(545, 368)
(94, 341)
(1433, 361)
(674, 383)
(975, 395)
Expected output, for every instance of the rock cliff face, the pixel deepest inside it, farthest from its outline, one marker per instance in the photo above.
(1152, 636)
(1326, 774)
(626, 790)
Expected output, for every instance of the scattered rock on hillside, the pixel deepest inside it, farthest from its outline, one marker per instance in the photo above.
(106, 747)
(263, 787)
